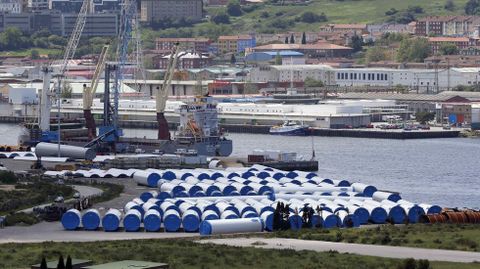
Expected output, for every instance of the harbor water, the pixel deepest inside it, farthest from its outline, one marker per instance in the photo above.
(437, 171)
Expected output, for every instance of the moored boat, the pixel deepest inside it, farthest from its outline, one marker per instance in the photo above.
(290, 128)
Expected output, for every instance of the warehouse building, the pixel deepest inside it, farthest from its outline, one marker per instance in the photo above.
(422, 80)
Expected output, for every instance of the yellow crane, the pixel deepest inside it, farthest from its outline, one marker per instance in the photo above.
(162, 94)
(89, 93)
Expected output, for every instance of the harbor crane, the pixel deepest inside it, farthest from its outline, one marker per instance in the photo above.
(162, 94)
(48, 93)
(89, 94)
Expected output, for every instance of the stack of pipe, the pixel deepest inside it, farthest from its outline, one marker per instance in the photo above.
(187, 198)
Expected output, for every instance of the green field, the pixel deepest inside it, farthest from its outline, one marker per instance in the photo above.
(28, 52)
(348, 11)
(439, 236)
(183, 253)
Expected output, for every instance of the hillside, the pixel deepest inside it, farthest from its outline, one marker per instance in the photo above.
(282, 18)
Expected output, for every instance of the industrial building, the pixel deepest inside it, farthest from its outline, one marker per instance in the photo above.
(286, 57)
(317, 50)
(422, 80)
(449, 107)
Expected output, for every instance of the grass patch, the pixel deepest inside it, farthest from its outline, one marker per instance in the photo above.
(182, 253)
(437, 236)
(267, 18)
(32, 194)
(28, 52)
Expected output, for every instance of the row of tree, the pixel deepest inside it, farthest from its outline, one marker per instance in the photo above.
(13, 39)
(291, 40)
(60, 265)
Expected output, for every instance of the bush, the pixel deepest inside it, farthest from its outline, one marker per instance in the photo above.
(281, 23)
(408, 264)
(423, 264)
(310, 17)
(17, 218)
(234, 9)
(466, 242)
(8, 177)
(391, 12)
(220, 18)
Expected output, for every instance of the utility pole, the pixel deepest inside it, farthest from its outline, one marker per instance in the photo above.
(448, 74)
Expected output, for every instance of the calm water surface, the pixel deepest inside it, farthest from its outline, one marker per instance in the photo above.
(441, 171)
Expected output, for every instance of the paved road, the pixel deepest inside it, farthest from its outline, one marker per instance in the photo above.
(53, 231)
(83, 190)
(361, 249)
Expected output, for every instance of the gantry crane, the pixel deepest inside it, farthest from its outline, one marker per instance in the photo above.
(162, 94)
(89, 93)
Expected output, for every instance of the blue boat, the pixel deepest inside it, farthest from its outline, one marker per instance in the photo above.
(290, 128)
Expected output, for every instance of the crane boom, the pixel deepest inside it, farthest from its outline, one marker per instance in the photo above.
(75, 36)
(47, 92)
(89, 94)
(162, 95)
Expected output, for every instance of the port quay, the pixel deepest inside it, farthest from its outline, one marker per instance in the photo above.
(158, 134)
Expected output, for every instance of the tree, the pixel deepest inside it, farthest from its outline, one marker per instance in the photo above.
(12, 39)
(68, 265)
(304, 38)
(413, 50)
(61, 263)
(66, 91)
(356, 43)
(234, 8)
(220, 18)
(448, 49)
(311, 82)
(34, 54)
(449, 5)
(286, 40)
(292, 39)
(43, 264)
(278, 59)
(472, 7)
(424, 117)
(376, 54)
(233, 60)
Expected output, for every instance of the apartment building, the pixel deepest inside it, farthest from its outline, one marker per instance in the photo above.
(158, 10)
(235, 44)
(197, 44)
(10, 6)
(462, 43)
(447, 25)
(187, 60)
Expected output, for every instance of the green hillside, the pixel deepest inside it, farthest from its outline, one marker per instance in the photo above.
(268, 18)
